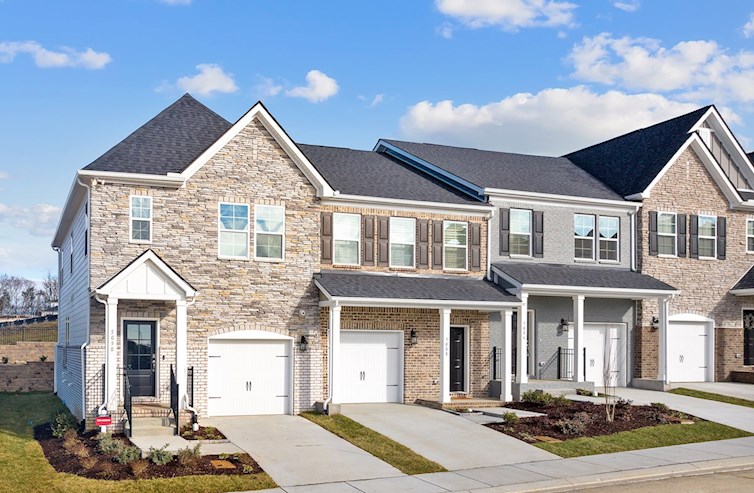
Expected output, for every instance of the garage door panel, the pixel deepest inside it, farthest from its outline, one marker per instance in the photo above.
(688, 351)
(605, 349)
(371, 366)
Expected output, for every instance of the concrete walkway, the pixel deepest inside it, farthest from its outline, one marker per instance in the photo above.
(731, 389)
(451, 441)
(295, 451)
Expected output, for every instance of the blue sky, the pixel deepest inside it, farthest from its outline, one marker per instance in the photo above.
(533, 76)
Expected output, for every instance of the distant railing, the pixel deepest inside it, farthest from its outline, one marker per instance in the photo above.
(496, 362)
(13, 335)
(565, 363)
(127, 402)
(174, 399)
(26, 321)
(190, 386)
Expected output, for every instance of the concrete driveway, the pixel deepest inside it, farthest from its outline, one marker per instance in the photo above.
(451, 441)
(731, 389)
(295, 451)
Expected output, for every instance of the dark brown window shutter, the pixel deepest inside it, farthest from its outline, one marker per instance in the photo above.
(721, 238)
(538, 249)
(367, 240)
(505, 231)
(694, 237)
(325, 242)
(475, 233)
(383, 241)
(652, 232)
(422, 251)
(437, 245)
(681, 229)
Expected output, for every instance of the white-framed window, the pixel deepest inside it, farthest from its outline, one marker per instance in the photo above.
(609, 232)
(750, 236)
(520, 232)
(346, 238)
(402, 241)
(583, 234)
(269, 232)
(233, 230)
(141, 219)
(455, 245)
(667, 238)
(707, 236)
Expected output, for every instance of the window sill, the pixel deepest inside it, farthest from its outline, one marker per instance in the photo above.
(665, 255)
(455, 271)
(707, 258)
(270, 260)
(610, 262)
(221, 257)
(585, 261)
(402, 268)
(519, 256)
(140, 242)
(346, 266)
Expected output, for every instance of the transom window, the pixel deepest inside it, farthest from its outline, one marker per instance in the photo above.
(234, 230)
(346, 238)
(520, 232)
(608, 236)
(455, 241)
(707, 236)
(750, 236)
(269, 231)
(666, 233)
(583, 231)
(141, 219)
(402, 241)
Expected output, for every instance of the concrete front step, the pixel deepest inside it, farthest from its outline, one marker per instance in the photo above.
(150, 426)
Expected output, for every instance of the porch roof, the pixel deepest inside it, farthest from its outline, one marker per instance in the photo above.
(580, 279)
(745, 285)
(375, 289)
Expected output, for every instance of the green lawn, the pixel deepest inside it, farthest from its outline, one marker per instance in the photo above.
(713, 397)
(643, 438)
(23, 467)
(382, 447)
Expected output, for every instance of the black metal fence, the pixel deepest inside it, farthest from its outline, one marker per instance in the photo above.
(174, 400)
(13, 335)
(127, 402)
(496, 362)
(565, 363)
(26, 321)
(190, 386)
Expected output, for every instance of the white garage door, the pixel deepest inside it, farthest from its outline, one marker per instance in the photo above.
(249, 377)
(688, 351)
(605, 352)
(372, 366)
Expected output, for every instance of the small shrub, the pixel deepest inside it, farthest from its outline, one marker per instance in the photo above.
(224, 456)
(510, 418)
(108, 445)
(89, 463)
(623, 402)
(247, 469)
(561, 400)
(43, 358)
(4, 359)
(80, 450)
(658, 416)
(106, 470)
(574, 426)
(537, 397)
(159, 456)
(127, 454)
(584, 392)
(663, 408)
(189, 456)
(70, 445)
(139, 467)
(70, 434)
(62, 422)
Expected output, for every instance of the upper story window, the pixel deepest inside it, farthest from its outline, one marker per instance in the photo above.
(346, 238)
(520, 232)
(233, 226)
(269, 231)
(583, 231)
(141, 219)
(455, 239)
(707, 236)
(402, 241)
(750, 236)
(666, 233)
(609, 231)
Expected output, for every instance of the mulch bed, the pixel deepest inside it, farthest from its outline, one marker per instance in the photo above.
(204, 433)
(586, 415)
(107, 468)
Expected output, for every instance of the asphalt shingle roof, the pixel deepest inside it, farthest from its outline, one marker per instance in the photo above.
(352, 285)
(377, 175)
(578, 275)
(168, 143)
(522, 172)
(747, 281)
(630, 162)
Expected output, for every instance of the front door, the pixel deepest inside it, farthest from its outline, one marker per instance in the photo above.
(139, 355)
(457, 359)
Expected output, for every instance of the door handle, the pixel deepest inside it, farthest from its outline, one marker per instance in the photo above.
(680, 358)
(153, 363)
(248, 386)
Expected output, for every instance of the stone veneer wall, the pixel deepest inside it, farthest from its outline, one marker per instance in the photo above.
(688, 188)
(421, 368)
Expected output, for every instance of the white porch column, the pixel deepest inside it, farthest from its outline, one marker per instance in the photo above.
(506, 386)
(662, 363)
(522, 343)
(334, 345)
(111, 353)
(181, 349)
(578, 338)
(445, 355)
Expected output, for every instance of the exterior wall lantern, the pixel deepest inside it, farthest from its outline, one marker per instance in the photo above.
(413, 338)
(655, 323)
(564, 325)
(303, 343)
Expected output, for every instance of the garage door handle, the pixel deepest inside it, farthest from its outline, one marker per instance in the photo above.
(248, 386)
(680, 358)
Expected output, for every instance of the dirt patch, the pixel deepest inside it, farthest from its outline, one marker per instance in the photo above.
(93, 464)
(203, 433)
(565, 421)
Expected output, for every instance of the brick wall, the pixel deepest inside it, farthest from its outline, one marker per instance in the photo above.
(22, 352)
(35, 376)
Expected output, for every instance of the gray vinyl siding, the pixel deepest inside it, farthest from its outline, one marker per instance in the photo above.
(558, 234)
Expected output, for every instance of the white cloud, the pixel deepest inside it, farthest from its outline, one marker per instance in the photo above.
(630, 6)
(210, 79)
(445, 30)
(551, 122)
(37, 220)
(692, 70)
(377, 99)
(318, 88)
(175, 2)
(749, 27)
(509, 14)
(267, 86)
(44, 58)
(4, 175)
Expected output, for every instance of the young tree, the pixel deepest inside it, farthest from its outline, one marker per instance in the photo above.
(50, 289)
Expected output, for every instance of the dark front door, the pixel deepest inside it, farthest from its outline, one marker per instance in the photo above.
(457, 359)
(140, 356)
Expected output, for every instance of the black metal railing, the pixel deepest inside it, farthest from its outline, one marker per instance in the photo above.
(127, 402)
(174, 399)
(565, 363)
(13, 335)
(190, 386)
(496, 362)
(31, 320)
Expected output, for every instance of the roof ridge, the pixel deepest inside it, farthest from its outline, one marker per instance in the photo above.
(473, 149)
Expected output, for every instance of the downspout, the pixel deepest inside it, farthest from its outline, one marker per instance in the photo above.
(88, 312)
(330, 379)
(101, 408)
(489, 245)
(633, 236)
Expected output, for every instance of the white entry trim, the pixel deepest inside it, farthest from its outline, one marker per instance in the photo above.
(121, 350)
(466, 357)
(694, 318)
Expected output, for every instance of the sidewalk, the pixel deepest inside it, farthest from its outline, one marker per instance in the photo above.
(563, 474)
